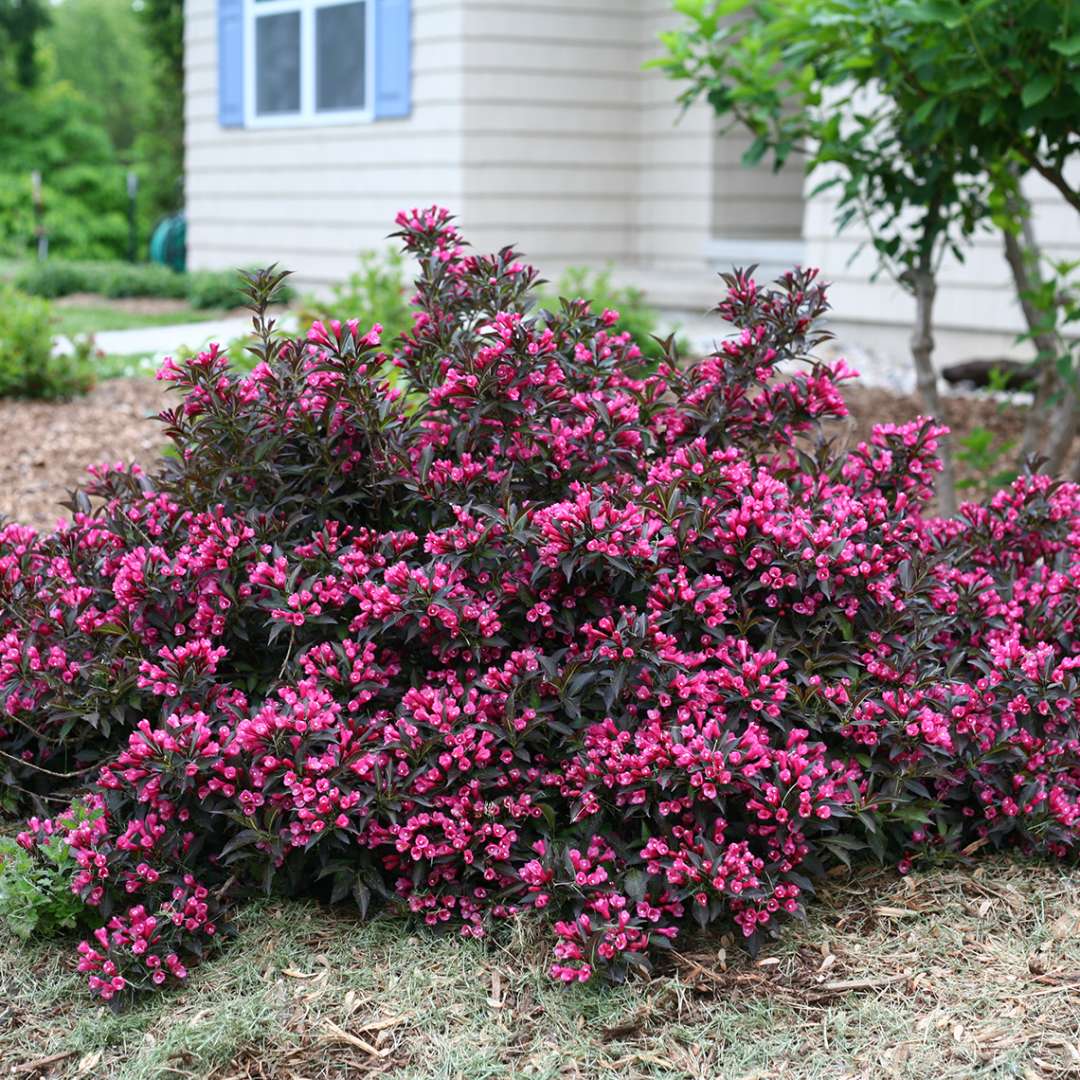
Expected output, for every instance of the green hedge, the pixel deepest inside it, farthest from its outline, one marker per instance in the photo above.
(200, 288)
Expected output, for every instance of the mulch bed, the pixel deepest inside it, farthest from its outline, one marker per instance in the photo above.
(46, 446)
(870, 405)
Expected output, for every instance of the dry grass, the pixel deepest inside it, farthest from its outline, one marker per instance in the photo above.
(950, 974)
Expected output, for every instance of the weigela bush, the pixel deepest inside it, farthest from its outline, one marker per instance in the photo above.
(509, 619)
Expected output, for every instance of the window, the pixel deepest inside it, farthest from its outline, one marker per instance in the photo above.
(308, 61)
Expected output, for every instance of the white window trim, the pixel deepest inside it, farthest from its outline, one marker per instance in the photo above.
(307, 116)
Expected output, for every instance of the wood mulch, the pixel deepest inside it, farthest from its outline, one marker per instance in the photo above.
(870, 405)
(46, 446)
(132, 305)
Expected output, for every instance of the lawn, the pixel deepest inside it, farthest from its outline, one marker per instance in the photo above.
(953, 973)
(125, 365)
(93, 318)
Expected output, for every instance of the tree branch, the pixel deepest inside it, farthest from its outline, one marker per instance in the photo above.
(1052, 176)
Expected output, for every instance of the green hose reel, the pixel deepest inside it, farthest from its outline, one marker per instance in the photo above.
(168, 242)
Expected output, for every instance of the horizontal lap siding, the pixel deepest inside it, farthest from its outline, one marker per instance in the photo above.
(550, 140)
(533, 121)
(311, 198)
(976, 295)
(675, 182)
(693, 187)
(754, 202)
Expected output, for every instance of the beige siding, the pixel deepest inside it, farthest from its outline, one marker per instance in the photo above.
(753, 202)
(975, 296)
(532, 120)
(535, 123)
(310, 198)
(675, 188)
(549, 128)
(694, 194)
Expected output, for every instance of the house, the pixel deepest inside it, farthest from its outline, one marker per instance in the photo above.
(309, 123)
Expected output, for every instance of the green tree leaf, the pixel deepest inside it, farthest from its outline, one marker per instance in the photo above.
(1067, 46)
(1037, 89)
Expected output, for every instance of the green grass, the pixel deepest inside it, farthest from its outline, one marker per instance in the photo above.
(74, 319)
(125, 366)
(951, 974)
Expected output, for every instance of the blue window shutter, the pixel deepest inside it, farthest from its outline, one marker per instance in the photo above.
(231, 63)
(393, 58)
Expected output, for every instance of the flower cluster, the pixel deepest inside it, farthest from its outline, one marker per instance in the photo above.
(501, 618)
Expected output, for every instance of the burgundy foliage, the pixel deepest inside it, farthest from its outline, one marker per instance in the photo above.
(507, 620)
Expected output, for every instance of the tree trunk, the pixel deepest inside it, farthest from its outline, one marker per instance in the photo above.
(1023, 262)
(1063, 425)
(1050, 428)
(922, 352)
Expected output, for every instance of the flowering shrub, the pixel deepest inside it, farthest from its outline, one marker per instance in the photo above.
(378, 289)
(507, 620)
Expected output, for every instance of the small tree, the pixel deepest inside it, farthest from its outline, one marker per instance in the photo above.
(20, 23)
(1003, 77)
(892, 98)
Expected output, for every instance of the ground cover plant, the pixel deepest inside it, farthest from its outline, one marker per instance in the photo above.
(530, 625)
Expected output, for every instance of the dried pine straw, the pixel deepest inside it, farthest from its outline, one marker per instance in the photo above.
(954, 973)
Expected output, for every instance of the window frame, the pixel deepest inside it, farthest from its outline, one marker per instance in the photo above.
(307, 115)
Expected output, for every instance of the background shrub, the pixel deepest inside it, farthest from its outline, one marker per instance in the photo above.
(201, 288)
(636, 317)
(53, 278)
(58, 277)
(536, 625)
(90, 89)
(28, 366)
(118, 280)
(375, 293)
(54, 130)
(36, 897)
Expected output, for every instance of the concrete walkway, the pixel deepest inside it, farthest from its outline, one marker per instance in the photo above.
(163, 340)
(876, 367)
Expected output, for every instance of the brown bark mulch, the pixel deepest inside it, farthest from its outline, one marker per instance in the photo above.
(46, 446)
